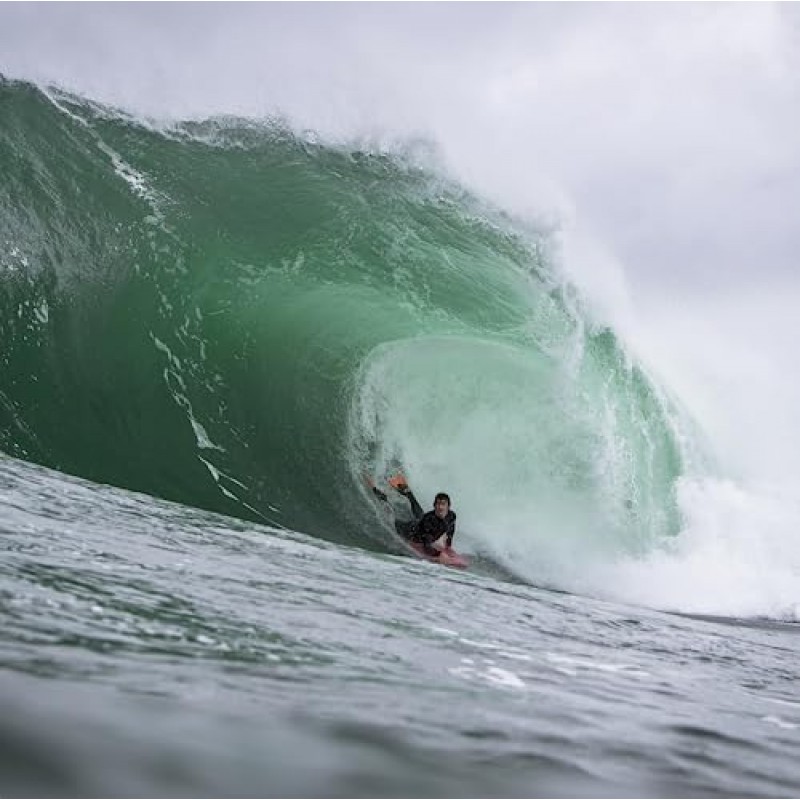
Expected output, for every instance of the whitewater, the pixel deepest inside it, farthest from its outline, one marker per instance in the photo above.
(212, 331)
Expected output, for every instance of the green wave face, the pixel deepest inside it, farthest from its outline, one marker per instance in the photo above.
(230, 316)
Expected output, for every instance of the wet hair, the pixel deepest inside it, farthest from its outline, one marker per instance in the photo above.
(441, 496)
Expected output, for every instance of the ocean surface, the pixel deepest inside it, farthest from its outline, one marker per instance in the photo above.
(211, 332)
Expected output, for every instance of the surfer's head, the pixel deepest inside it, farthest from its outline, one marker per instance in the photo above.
(441, 504)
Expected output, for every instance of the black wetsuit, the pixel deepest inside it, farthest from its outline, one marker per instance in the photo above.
(425, 529)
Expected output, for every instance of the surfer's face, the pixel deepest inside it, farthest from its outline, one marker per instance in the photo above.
(441, 507)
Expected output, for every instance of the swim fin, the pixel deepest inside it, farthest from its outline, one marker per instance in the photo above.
(399, 483)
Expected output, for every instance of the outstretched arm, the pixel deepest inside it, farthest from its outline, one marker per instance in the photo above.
(379, 494)
(416, 508)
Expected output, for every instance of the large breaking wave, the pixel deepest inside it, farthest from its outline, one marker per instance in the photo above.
(239, 317)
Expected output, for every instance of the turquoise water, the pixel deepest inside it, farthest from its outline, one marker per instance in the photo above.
(228, 316)
(211, 331)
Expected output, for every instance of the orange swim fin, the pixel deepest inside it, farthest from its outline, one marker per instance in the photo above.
(398, 482)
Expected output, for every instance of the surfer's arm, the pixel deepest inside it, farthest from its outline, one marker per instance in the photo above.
(430, 550)
(451, 531)
(416, 508)
(380, 495)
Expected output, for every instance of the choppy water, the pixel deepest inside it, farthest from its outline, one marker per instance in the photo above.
(149, 648)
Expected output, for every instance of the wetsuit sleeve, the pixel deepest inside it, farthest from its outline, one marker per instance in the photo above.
(451, 530)
(416, 508)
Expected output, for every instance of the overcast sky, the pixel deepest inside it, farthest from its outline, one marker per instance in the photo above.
(667, 132)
